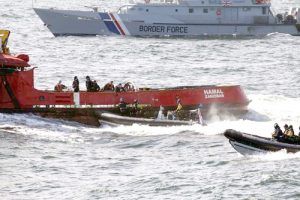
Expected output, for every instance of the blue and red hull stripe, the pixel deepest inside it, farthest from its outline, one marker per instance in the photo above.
(111, 23)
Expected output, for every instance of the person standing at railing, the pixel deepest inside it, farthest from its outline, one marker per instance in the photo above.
(59, 87)
(75, 84)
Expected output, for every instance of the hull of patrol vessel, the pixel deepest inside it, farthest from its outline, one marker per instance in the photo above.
(65, 22)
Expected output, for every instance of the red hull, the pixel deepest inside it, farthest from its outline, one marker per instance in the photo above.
(17, 94)
(27, 97)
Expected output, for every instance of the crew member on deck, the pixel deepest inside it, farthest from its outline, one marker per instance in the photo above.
(75, 84)
(128, 87)
(95, 86)
(109, 86)
(88, 84)
(59, 87)
(119, 88)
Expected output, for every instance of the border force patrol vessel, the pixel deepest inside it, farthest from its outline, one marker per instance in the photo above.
(176, 18)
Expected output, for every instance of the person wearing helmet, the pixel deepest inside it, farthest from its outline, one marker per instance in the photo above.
(277, 134)
(290, 132)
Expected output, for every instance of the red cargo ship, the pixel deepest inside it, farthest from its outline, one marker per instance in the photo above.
(17, 94)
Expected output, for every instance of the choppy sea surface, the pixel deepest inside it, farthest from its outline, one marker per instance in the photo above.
(54, 159)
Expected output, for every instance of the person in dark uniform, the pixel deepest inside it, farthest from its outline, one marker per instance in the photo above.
(88, 84)
(75, 84)
(122, 106)
(135, 111)
(277, 134)
(119, 88)
(95, 86)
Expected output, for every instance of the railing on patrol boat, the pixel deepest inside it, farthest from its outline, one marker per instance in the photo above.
(130, 6)
(132, 2)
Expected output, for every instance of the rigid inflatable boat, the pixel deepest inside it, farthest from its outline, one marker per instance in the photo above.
(248, 144)
(115, 120)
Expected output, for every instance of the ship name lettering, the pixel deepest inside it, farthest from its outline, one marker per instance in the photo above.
(213, 93)
(163, 29)
(157, 29)
(177, 29)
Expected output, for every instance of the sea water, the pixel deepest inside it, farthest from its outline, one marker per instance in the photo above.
(54, 159)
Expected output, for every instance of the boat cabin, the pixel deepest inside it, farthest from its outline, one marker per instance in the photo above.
(205, 12)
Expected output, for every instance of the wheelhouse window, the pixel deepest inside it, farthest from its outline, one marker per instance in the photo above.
(191, 10)
(205, 10)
